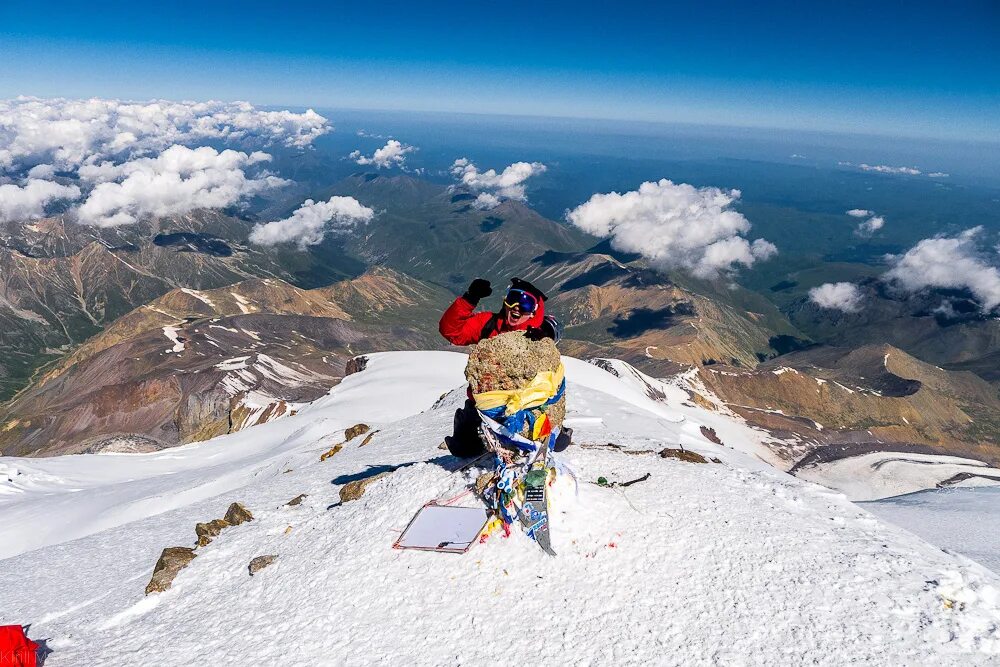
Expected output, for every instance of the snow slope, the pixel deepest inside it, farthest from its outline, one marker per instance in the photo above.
(964, 519)
(885, 474)
(718, 563)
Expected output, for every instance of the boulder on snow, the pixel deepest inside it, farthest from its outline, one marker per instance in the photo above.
(683, 455)
(368, 439)
(355, 365)
(355, 431)
(511, 361)
(483, 482)
(297, 500)
(172, 561)
(356, 489)
(260, 562)
(711, 435)
(331, 452)
(207, 531)
(237, 514)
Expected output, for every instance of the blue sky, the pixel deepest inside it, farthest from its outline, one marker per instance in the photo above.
(900, 68)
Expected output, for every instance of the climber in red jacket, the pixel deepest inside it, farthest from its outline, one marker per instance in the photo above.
(523, 310)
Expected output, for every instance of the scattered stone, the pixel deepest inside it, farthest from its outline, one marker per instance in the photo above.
(237, 514)
(356, 489)
(172, 561)
(368, 439)
(683, 455)
(297, 500)
(483, 481)
(711, 435)
(288, 530)
(444, 446)
(355, 365)
(207, 531)
(330, 452)
(260, 562)
(355, 431)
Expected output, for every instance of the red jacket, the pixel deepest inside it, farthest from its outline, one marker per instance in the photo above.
(461, 326)
(16, 650)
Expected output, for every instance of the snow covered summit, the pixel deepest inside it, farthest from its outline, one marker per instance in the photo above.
(716, 563)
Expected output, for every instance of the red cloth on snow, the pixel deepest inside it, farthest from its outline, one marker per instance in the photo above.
(461, 326)
(16, 650)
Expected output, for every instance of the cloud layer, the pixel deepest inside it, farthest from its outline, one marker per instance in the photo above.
(177, 181)
(393, 154)
(130, 159)
(70, 133)
(949, 262)
(312, 221)
(675, 225)
(29, 201)
(837, 296)
(495, 187)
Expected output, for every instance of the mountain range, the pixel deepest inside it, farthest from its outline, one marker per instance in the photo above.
(178, 329)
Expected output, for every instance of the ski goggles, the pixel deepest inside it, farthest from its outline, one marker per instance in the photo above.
(518, 298)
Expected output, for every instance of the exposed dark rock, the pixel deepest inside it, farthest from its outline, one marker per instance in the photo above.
(355, 431)
(237, 514)
(711, 435)
(331, 452)
(207, 531)
(260, 562)
(683, 455)
(172, 561)
(356, 489)
(297, 500)
(355, 365)
(368, 439)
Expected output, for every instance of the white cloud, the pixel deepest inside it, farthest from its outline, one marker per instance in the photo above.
(870, 226)
(949, 262)
(177, 181)
(42, 171)
(508, 184)
(29, 201)
(486, 201)
(860, 213)
(674, 226)
(311, 222)
(937, 174)
(70, 133)
(393, 154)
(883, 168)
(837, 296)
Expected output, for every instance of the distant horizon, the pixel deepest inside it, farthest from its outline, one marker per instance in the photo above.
(897, 69)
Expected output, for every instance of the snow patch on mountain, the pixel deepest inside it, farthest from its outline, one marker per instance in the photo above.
(171, 334)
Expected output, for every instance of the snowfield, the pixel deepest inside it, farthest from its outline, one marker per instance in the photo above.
(701, 564)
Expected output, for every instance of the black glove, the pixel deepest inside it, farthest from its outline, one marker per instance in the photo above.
(549, 328)
(479, 289)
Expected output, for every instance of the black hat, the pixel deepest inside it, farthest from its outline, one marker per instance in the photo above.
(517, 283)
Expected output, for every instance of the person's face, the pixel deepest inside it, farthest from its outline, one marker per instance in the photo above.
(516, 316)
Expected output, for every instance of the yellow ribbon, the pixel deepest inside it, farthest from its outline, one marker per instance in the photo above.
(543, 387)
